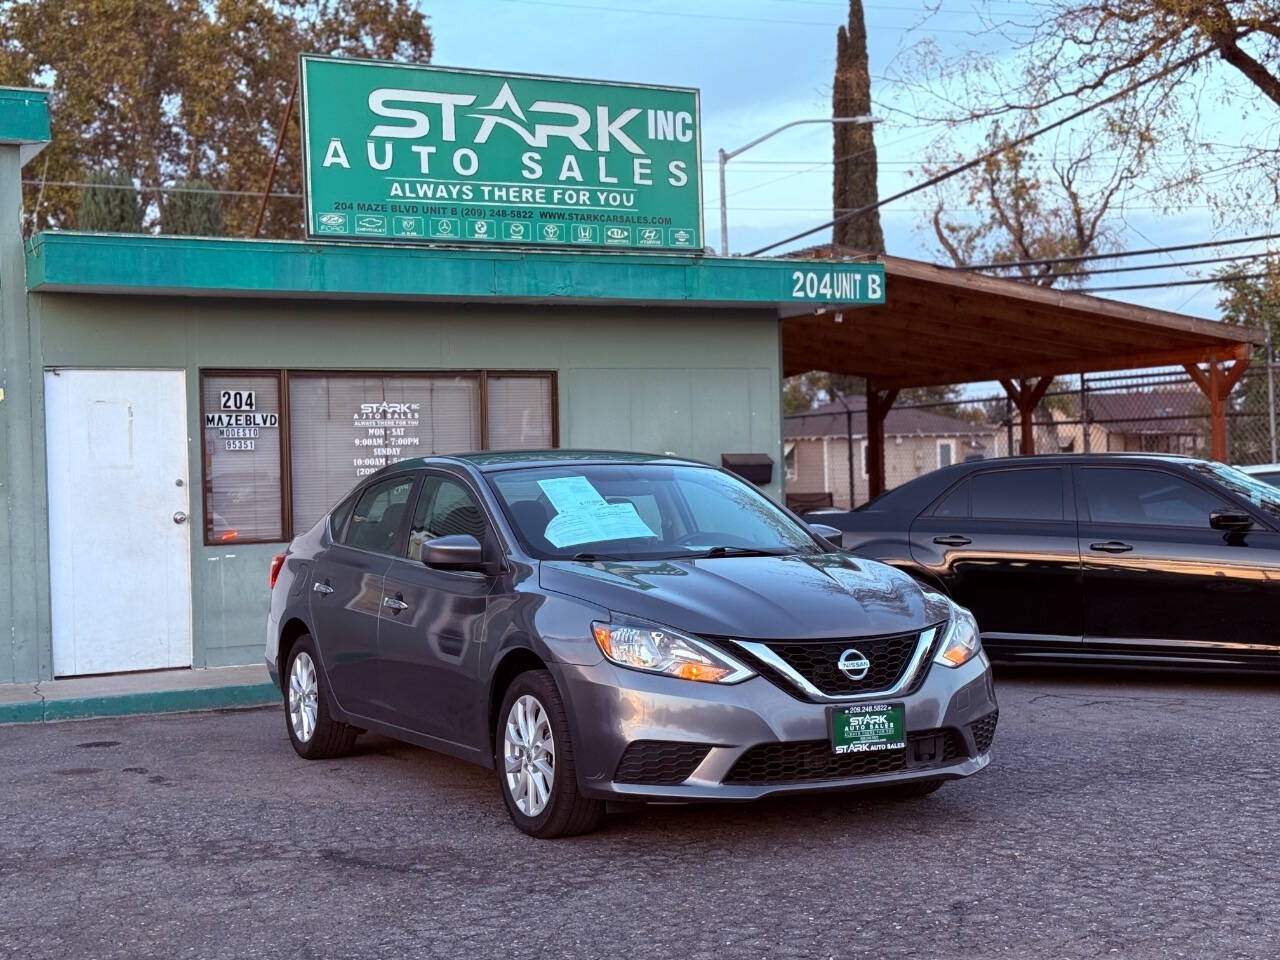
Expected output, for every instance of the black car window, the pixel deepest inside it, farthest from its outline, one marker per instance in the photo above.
(1146, 498)
(955, 503)
(375, 522)
(338, 519)
(445, 508)
(1031, 494)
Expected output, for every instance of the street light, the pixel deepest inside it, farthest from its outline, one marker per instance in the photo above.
(726, 156)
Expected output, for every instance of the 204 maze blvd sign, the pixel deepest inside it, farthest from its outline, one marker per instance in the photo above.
(418, 154)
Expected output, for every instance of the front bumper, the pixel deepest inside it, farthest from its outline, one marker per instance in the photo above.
(612, 708)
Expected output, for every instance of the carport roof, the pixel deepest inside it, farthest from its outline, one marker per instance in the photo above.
(939, 325)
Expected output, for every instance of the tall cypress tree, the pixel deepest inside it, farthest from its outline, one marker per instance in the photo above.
(109, 204)
(855, 147)
(191, 209)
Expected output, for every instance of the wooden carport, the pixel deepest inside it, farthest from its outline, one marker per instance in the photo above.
(942, 326)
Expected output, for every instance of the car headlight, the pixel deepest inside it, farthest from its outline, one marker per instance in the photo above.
(656, 649)
(960, 642)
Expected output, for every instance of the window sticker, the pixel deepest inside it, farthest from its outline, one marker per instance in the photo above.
(583, 516)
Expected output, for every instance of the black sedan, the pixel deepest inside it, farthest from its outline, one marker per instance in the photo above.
(1120, 558)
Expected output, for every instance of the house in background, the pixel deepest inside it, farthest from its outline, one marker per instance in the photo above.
(816, 450)
(1166, 420)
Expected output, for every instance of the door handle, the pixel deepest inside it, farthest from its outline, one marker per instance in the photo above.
(180, 517)
(952, 541)
(322, 588)
(394, 604)
(1111, 546)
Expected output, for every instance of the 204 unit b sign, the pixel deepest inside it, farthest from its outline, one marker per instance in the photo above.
(418, 154)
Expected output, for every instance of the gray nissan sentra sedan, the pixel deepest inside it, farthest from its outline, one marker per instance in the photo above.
(614, 627)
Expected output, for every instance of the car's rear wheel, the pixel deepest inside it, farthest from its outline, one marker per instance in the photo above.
(315, 735)
(534, 756)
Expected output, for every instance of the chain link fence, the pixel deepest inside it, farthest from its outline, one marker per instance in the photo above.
(1158, 411)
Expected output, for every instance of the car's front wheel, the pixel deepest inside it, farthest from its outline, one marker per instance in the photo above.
(315, 735)
(534, 754)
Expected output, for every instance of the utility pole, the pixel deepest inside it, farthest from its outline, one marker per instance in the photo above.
(848, 439)
(1271, 392)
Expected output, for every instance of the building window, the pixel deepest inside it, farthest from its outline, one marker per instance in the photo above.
(344, 427)
(865, 472)
(789, 461)
(946, 453)
(240, 437)
(520, 411)
(338, 427)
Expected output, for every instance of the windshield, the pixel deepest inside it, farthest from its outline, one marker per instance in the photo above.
(1258, 492)
(643, 512)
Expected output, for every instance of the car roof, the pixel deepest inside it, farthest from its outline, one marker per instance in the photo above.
(490, 460)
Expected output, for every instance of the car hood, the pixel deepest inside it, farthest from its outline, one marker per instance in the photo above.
(763, 598)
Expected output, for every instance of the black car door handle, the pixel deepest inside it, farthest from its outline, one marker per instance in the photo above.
(952, 541)
(1111, 546)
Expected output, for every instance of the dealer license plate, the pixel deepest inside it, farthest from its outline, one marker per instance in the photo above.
(868, 727)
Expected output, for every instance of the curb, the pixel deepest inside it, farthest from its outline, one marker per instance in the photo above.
(132, 704)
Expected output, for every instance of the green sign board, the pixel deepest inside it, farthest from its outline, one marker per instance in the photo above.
(400, 153)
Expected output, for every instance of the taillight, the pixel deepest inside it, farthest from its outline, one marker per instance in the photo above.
(276, 563)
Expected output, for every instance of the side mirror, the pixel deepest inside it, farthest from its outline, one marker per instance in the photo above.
(826, 532)
(458, 551)
(1230, 520)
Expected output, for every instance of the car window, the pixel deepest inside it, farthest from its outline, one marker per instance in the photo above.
(1032, 494)
(955, 503)
(338, 519)
(445, 508)
(375, 522)
(1146, 497)
(642, 512)
(1256, 488)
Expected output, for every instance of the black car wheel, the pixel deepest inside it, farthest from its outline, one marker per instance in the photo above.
(534, 759)
(313, 733)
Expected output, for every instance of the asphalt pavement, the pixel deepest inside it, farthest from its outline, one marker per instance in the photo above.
(1123, 816)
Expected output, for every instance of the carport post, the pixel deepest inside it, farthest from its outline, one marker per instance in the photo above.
(1026, 396)
(879, 403)
(1217, 386)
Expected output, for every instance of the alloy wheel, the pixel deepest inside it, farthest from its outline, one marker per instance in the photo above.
(304, 697)
(529, 755)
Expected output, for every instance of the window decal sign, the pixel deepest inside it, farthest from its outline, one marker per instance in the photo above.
(403, 153)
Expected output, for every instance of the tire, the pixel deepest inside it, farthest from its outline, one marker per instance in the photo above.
(315, 735)
(909, 791)
(563, 811)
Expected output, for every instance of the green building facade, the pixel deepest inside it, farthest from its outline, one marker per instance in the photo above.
(174, 408)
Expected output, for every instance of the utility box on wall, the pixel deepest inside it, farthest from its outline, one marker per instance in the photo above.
(755, 468)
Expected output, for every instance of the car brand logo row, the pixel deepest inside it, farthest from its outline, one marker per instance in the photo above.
(514, 231)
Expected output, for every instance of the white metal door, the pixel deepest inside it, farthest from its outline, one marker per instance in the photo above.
(119, 538)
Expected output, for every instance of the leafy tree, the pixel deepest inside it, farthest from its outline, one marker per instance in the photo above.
(854, 177)
(1022, 215)
(110, 204)
(191, 209)
(1181, 70)
(1252, 301)
(166, 90)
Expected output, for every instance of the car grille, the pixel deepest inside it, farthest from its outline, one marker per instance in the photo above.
(811, 761)
(816, 662)
(659, 762)
(807, 761)
(984, 731)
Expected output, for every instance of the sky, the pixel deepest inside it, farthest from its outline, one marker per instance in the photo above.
(760, 64)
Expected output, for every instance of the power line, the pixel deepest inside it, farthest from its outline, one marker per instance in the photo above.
(149, 188)
(1083, 257)
(969, 165)
(735, 19)
(1181, 283)
(1166, 266)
